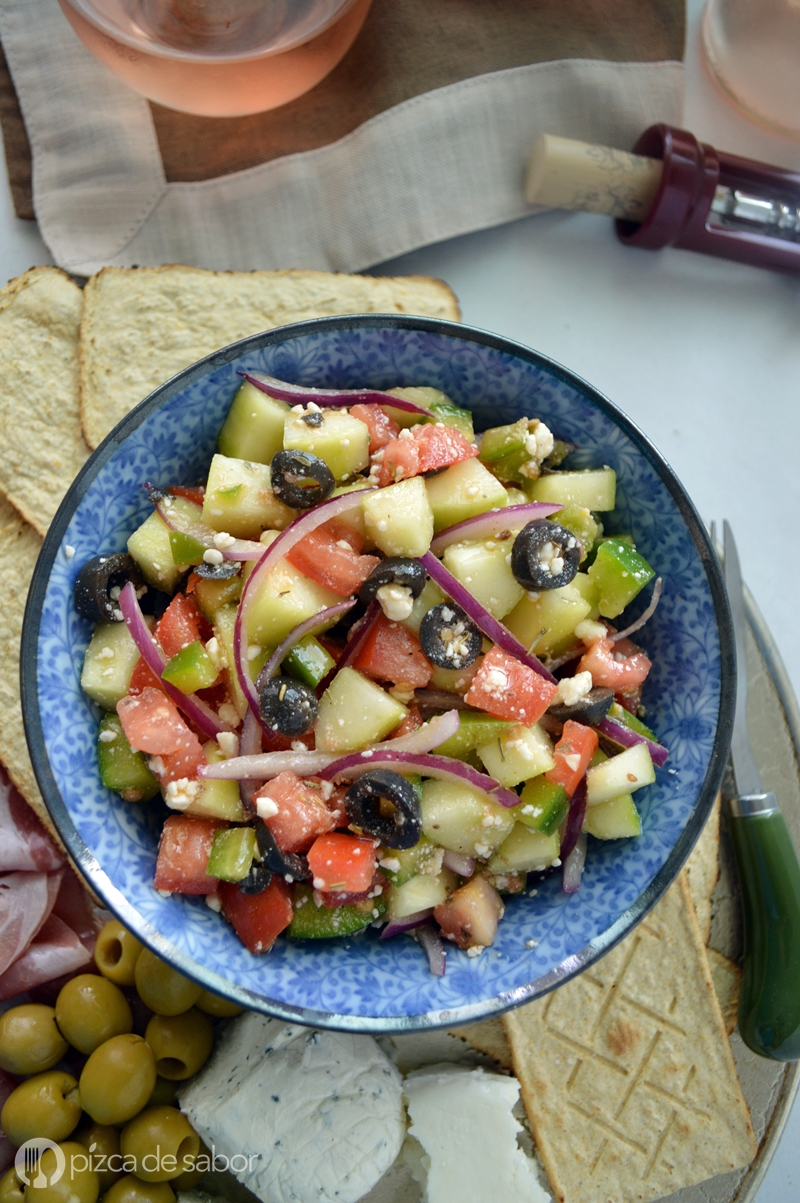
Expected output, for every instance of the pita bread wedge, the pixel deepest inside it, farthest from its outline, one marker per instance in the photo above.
(143, 325)
(42, 445)
(487, 1037)
(626, 1071)
(702, 869)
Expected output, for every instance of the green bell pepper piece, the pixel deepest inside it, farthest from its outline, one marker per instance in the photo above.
(191, 669)
(121, 768)
(620, 574)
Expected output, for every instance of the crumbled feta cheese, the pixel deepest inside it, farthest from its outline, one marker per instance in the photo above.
(222, 541)
(539, 443)
(181, 794)
(107, 736)
(395, 601)
(390, 863)
(403, 693)
(484, 850)
(572, 689)
(155, 765)
(432, 865)
(214, 903)
(550, 558)
(590, 631)
(266, 808)
(118, 615)
(383, 525)
(212, 556)
(228, 744)
(229, 714)
(215, 652)
(253, 651)
(532, 943)
(164, 893)
(69, 551)
(105, 653)
(476, 950)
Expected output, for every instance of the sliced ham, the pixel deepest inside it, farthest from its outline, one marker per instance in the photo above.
(55, 951)
(26, 900)
(25, 846)
(75, 908)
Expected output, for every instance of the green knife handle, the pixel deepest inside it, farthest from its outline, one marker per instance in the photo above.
(769, 1003)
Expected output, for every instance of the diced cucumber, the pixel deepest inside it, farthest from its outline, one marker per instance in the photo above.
(613, 820)
(309, 662)
(631, 721)
(285, 598)
(588, 591)
(151, 549)
(483, 567)
(212, 595)
(525, 851)
(462, 491)
(108, 664)
(464, 819)
(583, 525)
(341, 440)
(419, 893)
(217, 799)
(224, 624)
(232, 853)
(518, 755)
(421, 395)
(312, 922)
(239, 499)
(253, 429)
(355, 518)
(545, 622)
(619, 573)
(454, 680)
(430, 596)
(122, 769)
(191, 668)
(595, 488)
(354, 712)
(503, 449)
(452, 415)
(621, 774)
(401, 864)
(399, 519)
(474, 729)
(543, 806)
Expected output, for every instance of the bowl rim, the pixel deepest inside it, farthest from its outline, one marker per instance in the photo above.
(112, 897)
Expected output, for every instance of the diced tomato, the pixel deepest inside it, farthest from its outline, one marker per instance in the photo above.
(191, 583)
(152, 724)
(340, 529)
(183, 853)
(506, 688)
(301, 815)
(382, 428)
(179, 764)
(258, 919)
(195, 493)
(143, 677)
(400, 461)
(342, 862)
(412, 722)
(631, 699)
(392, 653)
(441, 446)
(275, 742)
(329, 560)
(572, 753)
(333, 898)
(621, 666)
(179, 624)
(335, 803)
(471, 914)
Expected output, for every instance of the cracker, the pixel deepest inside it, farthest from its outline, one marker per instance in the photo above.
(487, 1037)
(43, 447)
(626, 1071)
(702, 869)
(19, 548)
(142, 325)
(727, 978)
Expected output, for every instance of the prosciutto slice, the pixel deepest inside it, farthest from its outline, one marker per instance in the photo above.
(26, 900)
(75, 908)
(56, 951)
(25, 846)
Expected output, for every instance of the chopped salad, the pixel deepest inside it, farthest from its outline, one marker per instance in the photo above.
(371, 667)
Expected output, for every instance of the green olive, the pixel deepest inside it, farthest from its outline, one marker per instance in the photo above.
(12, 1190)
(102, 1141)
(131, 1189)
(46, 1105)
(78, 1183)
(164, 1093)
(163, 1142)
(189, 1179)
(162, 988)
(118, 1079)
(116, 953)
(181, 1044)
(30, 1042)
(219, 1007)
(90, 1010)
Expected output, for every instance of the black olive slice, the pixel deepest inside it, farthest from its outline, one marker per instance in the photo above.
(394, 570)
(288, 706)
(218, 572)
(300, 479)
(590, 709)
(385, 805)
(283, 864)
(449, 638)
(545, 555)
(99, 584)
(256, 880)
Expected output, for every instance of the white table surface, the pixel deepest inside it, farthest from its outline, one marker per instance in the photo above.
(703, 354)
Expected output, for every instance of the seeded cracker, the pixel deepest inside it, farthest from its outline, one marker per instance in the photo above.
(626, 1071)
(42, 445)
(143, 325)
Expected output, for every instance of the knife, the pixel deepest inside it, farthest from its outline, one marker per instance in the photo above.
(769, 873)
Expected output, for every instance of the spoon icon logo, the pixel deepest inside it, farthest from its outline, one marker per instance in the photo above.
(31, 1166)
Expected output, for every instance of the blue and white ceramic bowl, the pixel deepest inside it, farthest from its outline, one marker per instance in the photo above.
(361, 983)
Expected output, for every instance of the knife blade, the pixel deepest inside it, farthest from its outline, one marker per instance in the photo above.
(769, 872)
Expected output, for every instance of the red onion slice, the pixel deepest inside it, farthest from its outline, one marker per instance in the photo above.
(240, 549)
(286, 540)
(298, 394)
(395, 926)
(643, 617)
(442, 767)
(195, 709)
(483, 526)
(249, 745)
(309, 627)
(572, 872)
(573, 823)
(432, 942)
(491, 628)
(440, 699)
(624, 737)
(464, 866)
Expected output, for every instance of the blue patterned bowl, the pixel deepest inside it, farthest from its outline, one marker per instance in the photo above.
(361, 983)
